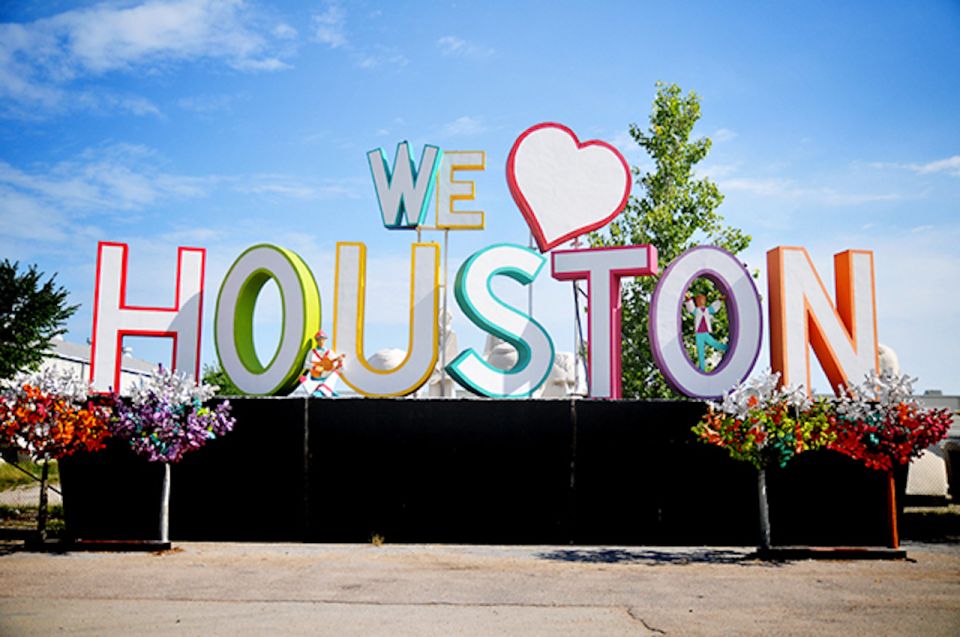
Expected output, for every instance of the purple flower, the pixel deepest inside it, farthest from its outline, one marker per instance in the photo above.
(166, 418)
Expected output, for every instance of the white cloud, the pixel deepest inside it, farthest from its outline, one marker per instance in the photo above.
(949, 165)
(454, 46)
(628, 147)
(463, 127)
(329, 26)
(125, 178)
(719, 171)
(284, 31)
(54, 204)
(381, 56)
(121, 177)
(289, 187)
(450, 44)
(781, 188)
(206, 104)
(191, 236)
(40, 59)
(723, 135)
(769, 187)
(104, 100)
(25, 217)
(137, 105)
(52, 208)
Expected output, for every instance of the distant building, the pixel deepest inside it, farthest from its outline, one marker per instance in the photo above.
(76, 358)
(936, 473)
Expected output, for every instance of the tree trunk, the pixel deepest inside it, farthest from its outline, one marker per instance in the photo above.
(42, 510)
(764, 509)
(892, 510)
(165, 505)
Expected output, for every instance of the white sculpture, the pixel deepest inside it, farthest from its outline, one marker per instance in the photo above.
(562, 381)
(563, 378)
(440, 384)
(387, 359)
(889, 362)
(500, 353)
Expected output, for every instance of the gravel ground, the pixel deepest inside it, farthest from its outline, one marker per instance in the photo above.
(28, 495)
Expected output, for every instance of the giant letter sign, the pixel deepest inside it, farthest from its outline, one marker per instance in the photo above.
(844, 337)
(405, 194)
(487, 311)
(348, 312)
(233, 325)
(564, 188)
(113, 318)
(603, 268)
(450, 190)
(744, 314)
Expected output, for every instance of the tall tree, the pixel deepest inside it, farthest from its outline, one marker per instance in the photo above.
(673, 210)
(32, 312)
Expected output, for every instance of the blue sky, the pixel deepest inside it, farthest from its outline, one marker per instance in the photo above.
(223, 124)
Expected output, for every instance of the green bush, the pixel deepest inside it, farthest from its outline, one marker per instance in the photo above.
(11, 477)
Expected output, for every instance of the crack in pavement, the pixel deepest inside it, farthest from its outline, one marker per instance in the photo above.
(632, 614)
(345, 602)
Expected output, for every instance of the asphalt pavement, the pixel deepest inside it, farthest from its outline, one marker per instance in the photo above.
(440, 590)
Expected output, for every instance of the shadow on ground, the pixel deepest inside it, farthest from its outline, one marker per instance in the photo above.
(652, 557)
(8, 546)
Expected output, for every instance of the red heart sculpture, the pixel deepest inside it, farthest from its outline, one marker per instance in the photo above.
(564, 187)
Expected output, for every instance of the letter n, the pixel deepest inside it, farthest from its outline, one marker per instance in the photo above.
(802, 316)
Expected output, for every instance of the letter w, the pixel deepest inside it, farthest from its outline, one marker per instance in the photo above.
(404, 194)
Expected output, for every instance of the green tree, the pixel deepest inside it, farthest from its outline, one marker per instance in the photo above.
(214, 375)
(32, 312)
(673, 210)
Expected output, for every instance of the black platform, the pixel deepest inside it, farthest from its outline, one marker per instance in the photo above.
(472, 471)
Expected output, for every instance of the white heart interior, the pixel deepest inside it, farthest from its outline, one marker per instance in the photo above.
(567, 188)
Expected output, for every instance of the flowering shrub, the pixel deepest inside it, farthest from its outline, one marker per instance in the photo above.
(765, 425)
(165, 417)
(880, 424)
(50, 414)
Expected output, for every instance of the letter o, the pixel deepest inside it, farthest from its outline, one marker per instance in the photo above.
(233, 324)
(744, 314)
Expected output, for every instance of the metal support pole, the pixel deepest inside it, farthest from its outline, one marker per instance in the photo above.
(165, 505)
(42, 510)
(894, 539)
(443, 327)
(764, 509)
(530, 287)
(576, 338)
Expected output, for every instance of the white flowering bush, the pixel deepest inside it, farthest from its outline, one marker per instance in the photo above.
(880, 423)
(764, 424)
(51, 414)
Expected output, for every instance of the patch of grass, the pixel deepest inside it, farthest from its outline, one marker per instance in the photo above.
(377, 540)
(25, 517)
(11, 477)
(931, 524)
